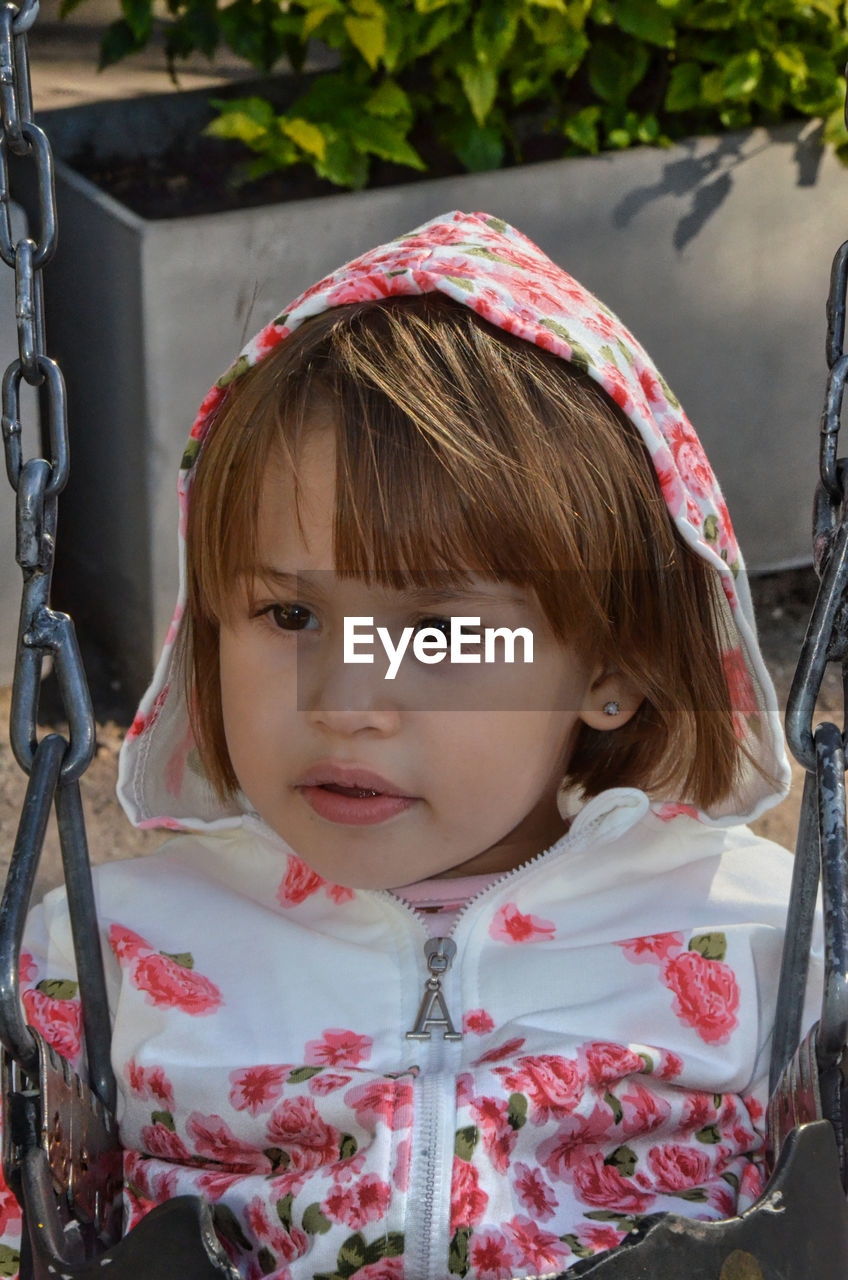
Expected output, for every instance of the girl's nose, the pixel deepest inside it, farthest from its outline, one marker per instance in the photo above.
(346, 698)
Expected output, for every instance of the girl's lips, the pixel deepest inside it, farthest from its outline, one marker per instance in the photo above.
(351, 795)
(336, 774)
(354, 807)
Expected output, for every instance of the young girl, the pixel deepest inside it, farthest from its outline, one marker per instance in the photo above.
(464, 970)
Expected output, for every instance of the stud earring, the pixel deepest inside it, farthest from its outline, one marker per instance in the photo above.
(611, 708)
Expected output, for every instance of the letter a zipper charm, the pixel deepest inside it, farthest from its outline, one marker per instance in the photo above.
(433, 1011)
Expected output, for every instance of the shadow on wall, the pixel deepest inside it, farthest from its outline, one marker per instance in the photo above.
(706, 180)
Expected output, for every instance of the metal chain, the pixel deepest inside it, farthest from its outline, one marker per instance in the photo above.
(822, 850)
(55, 763)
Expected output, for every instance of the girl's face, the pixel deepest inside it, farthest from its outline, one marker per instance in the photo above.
(447, 768)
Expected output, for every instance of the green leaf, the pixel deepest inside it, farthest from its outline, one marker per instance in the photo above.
(139, 15)
(318, 13)
(345, 164)
(582, 129)
(479, 149)
(58, 988)
(10, 1261)
(697, 1195)
(444, 25)
(624, 1160)
(791, 60)
(387, 1246)
(712, 946)
(645, 20)
(625, 1221)
(348, 1146)
(493, 31)
(465, 1141)
(267, 1261)
(614, 72)
(684, 87)
(615, 1106)
(619, 139)
(284, 1210)
(368, 34)
(385, 139)
(247, 119)
(579, 1250)
(118, 40)
(458, 1252)
(742, 74)
(314, 1221)
(479, 84)
(278, 1158)
(390, 101)
(164, 1118)
(183, 958)
(516, 1112)
(301, 1074)
(309, 137)
(430, 6)
(189, 457)
(709, 1134)
(352, 1253)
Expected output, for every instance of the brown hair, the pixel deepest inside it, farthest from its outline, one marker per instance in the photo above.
(460, 447)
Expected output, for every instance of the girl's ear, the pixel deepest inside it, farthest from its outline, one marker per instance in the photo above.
(611, 700)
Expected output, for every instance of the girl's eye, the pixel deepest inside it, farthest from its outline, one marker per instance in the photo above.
(435, 624)
(291, 617)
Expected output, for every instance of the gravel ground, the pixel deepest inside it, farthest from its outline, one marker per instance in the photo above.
(783, 604)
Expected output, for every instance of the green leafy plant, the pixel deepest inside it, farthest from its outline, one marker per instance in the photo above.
(477, 84)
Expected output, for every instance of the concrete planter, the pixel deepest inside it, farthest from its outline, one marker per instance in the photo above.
(716, 252)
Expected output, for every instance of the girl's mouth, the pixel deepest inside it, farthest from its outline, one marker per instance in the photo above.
(353, 806)
(350, 794)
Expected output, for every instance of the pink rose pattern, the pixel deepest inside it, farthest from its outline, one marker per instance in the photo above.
(557, 1155)
(588, 1143)
(168, 980)
(705, 991)
(289, 1162)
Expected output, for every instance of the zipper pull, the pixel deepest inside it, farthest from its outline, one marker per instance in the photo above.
(433, 1011)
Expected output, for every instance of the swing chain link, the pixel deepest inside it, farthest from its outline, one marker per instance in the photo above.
(822, 848)
(37, 481)
(60, 1148)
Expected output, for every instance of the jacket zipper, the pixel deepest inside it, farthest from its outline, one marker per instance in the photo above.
(428, 1197)
(433, 1011)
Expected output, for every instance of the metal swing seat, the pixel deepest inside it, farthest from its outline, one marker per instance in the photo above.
(61, 1155)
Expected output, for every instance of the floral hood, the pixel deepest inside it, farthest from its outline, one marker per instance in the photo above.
(489, 266)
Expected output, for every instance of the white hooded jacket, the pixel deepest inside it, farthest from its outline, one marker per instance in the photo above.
(591, 1043)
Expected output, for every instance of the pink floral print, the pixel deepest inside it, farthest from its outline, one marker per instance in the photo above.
(706, 995)
(512, 925)
(167, 980)
(59, 1020)
(362, 1202)
(301, 882)
(339, 1047)
(705, 990)
(256, 1089)
(478, 1022)
(149, 1082)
